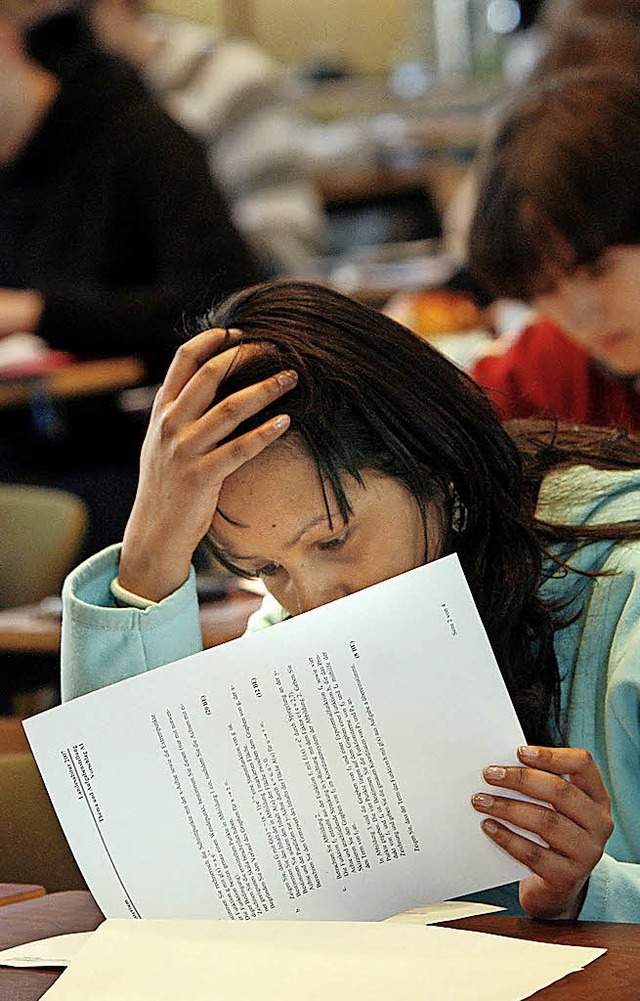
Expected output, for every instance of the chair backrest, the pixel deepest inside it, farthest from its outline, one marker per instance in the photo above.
(33, 848)
(41, 532)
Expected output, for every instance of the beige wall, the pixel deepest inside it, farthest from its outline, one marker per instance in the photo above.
(368, 35)
(207, 11)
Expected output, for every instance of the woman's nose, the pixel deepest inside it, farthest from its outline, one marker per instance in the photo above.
(312, 592)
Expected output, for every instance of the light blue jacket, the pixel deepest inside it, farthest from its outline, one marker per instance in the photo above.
(598, 657)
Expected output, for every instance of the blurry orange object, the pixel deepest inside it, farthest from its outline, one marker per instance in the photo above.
(435, 311)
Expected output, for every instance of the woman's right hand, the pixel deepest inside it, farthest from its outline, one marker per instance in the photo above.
(182, 466)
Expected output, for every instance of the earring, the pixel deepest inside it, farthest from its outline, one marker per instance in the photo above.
(458, 511)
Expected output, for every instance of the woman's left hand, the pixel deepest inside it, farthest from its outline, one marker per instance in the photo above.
(575, 828)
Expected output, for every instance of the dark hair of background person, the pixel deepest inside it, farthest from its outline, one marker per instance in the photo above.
(60, 40)
(560, 182)
(593, 42)
(559, 13)
(372, 395)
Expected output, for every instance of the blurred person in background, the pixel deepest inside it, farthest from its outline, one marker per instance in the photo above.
(558, 35)
(111, 232)
(557, 224)
(230, 95)
(587, 33)
(522, 50)
(110, 227)
(547, 369)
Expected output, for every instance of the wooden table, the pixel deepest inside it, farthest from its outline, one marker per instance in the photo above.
(613, 977)
(53, 914)
(77, 378)
(27, 630)
(15, 893)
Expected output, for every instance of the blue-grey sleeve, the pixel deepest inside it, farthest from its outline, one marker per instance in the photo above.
(102, 644)
(613, 893)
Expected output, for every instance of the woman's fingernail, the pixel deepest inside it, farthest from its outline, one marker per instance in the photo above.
(288, 379)
(494, 773)
(489, 826)
(483, 800)
(280, 423)
(530, 753)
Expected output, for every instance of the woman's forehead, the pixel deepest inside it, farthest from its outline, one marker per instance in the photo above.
(282, 478)
(281, 490)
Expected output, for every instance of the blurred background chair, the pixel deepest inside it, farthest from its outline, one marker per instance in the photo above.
(42, 532)
(33, 848)
(41, 535)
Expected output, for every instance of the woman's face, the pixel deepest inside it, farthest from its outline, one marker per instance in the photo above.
(599, 307)
(271, 521)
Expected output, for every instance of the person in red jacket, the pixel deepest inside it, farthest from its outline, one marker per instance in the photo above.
(557, 224)
(545, 372)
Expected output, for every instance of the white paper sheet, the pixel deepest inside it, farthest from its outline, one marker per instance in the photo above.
(319, 769)
(278, 961)
(60, 950)
(447, 910)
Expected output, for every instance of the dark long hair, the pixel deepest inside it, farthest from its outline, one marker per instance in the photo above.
(373, 395)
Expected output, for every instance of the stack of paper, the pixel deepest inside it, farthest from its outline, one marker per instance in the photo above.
(277, 961)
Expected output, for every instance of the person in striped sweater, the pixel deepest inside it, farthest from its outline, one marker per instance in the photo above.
(231, 95)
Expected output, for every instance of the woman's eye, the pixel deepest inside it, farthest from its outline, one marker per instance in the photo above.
(269, 570)
(334, 543)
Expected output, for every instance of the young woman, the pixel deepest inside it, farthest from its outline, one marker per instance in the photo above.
(322, 447)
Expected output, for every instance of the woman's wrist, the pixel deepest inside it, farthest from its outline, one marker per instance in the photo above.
(572, 912)
(149, 578)
(153, 584)
(150, 570)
